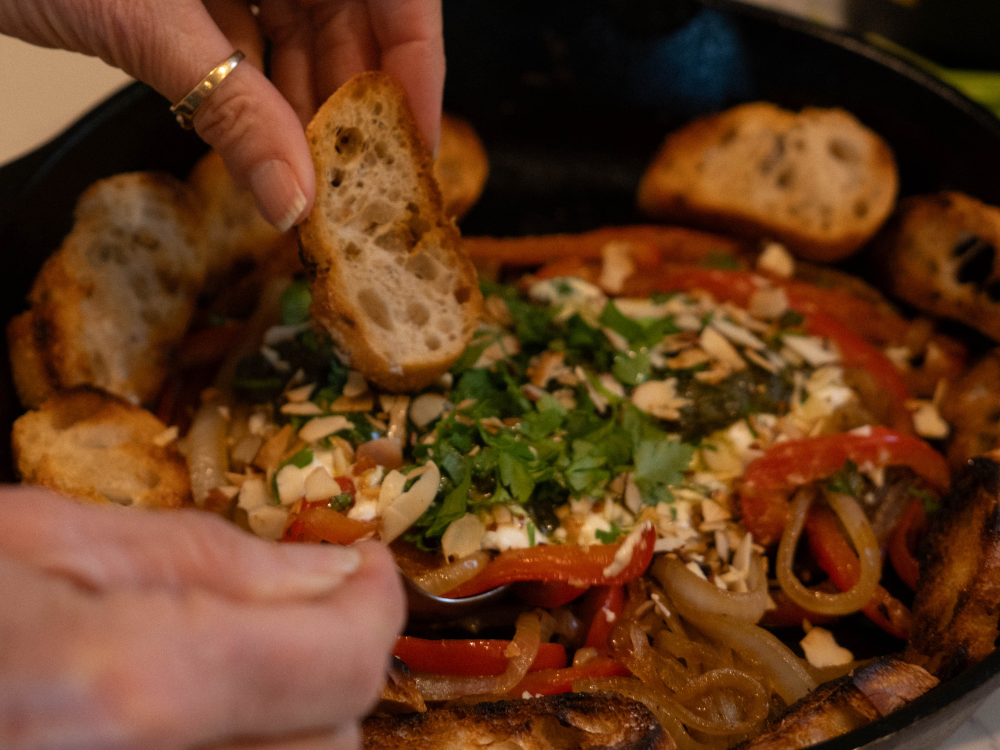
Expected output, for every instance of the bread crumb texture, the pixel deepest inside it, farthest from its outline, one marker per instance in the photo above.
(111, 304)
(390, 281)
(95, 447)
(817, 180)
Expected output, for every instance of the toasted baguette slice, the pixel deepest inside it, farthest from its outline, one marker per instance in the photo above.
(233, 231)
(111, 304)
(461, 167)
(95, 447)
(819, 181)
(939, 253)
(586, 721)
(390, 281)
(834, 708)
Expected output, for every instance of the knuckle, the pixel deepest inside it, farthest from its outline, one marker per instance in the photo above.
(226, 117)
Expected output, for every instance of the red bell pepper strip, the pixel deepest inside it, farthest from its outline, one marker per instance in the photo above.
(835, 556)
(552, 681)
(548, 595)
(570, 563)
(595, 609)
(900, 547)
(769, 480)
(470, 658)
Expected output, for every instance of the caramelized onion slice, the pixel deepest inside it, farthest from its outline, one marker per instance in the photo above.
(521, 652)
(685, 588)
(207, 459)
(444, 579)
(859, 531)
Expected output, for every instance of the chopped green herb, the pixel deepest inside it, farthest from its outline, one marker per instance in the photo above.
(847, 481)
(295, 301)
(341, 502)
(632, 368)
(610, 536)
(531, 534)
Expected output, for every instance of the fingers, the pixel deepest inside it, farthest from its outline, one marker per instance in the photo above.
(228, 670)
(105, 548)
(171, 670)
(234, 19)
(409, 33)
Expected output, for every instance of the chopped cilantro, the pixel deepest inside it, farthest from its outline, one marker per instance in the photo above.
(638, 333)
(341, 502)
(531, 534)
(847, 480)
(632, 368)
(295, 301)
(660, 464)
(610, 536)
(301, 459)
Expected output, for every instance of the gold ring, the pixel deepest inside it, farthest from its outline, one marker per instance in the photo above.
(184, 109)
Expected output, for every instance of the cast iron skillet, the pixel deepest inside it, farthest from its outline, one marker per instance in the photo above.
(571, 98)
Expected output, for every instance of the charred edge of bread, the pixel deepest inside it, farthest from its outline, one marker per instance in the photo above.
(872, 691)
(579, 720)
(93, 446)
(391, 283)
(674, 185)
(957, 604)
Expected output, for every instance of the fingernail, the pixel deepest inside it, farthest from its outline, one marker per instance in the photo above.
(311, 570)
(278, 194)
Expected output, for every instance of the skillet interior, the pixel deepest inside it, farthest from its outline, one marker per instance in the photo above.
(571, 98)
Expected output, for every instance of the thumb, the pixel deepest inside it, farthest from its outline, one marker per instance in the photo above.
(246, 119)
(104, 548)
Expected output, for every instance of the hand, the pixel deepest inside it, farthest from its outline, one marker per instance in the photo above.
(255, 124)
(165, 630)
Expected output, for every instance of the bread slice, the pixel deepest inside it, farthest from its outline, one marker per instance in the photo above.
(111, 304)
(819, 180)
(461, 167)
(939, 253)
(586, 721)
(236, 237)
(390, 281)
(92, 446)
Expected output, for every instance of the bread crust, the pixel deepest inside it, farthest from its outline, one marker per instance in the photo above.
(939, 253)
(390, 281)
(759, 170)
(589, 721)
(95, 447)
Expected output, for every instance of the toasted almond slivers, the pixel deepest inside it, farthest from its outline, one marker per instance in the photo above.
(303, 409)
(300, 394)
(320, 427)
(166, 437)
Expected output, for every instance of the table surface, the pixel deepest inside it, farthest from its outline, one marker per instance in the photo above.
(46, 90)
